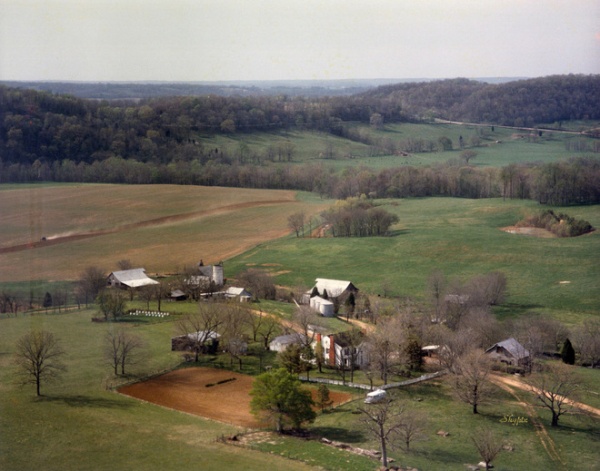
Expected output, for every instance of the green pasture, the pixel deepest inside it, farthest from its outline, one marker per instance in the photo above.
(575, 442)
(497, 148)
(80, 425)
(460, 237)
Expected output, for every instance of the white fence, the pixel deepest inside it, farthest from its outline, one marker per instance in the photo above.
(139, 312)
(368, 387)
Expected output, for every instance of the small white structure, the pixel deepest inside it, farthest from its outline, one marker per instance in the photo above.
(240, 293)
(375, 396)
(135, 278)
(323, 306)
(279, 344)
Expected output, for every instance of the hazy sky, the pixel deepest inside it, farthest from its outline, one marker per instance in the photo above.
(187, 40)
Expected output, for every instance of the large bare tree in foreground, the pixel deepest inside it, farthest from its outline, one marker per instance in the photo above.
(488, 445)
(384, 422)
(555, 388)
(38, 357)
(471, 378)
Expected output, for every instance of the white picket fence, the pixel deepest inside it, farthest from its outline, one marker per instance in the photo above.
(139, 312)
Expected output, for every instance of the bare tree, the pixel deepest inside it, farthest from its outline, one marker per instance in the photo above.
(305, 319)
(259, 283)
(121, 348)
(38, 358)
(296, 223)
(201, 327)
(471, 378)
(437, 291)
(112, 303)
(235, 319)
(384, 422)
(269, 327)
(539, 335)
(124, 264)
(586, 341)
(412, 429)
(555, 388)
(488, 445)
(91, 282)
(385, 347)
(147, 293)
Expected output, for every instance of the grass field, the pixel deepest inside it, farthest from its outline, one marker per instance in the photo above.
(498, 148)
(79, 424)
(462, 238)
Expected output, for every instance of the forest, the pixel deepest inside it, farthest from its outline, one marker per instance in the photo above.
(48, 137)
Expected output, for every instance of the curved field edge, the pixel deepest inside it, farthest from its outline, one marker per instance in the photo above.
(54, 232)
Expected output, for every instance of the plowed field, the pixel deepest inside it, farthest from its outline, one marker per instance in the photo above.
(188, 390)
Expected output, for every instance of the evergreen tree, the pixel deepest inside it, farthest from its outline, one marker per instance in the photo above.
(47, 300)
(567, 353)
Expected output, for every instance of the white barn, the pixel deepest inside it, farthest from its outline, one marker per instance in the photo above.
(134, 278)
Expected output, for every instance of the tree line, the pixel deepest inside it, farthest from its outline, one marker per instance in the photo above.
(37, 125)
(551, 99)
(568, 182)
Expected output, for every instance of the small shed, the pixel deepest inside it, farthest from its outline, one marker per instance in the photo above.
(325, 307)
(509, 351)
(177, 295)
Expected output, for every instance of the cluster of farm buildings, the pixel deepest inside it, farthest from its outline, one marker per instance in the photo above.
(337, 348)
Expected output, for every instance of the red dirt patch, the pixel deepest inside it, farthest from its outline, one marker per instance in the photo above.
(186, 390)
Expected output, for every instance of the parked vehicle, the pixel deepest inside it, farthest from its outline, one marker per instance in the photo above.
(375, 396)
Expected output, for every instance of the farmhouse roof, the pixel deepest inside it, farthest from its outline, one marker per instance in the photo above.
(133, 278)
(513, 347)
(233, 291)
(334, 287)
(288, 339)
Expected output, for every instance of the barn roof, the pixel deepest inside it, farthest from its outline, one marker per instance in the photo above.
(513, 347)
(133, 278)
(334, 287)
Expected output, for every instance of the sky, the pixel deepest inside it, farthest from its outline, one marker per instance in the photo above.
(212, 40)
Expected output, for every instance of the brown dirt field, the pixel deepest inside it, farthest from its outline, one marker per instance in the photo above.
(185, 390)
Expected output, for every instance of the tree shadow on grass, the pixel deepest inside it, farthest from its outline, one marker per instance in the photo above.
(339, 434)
(397, 233)
(86, 401)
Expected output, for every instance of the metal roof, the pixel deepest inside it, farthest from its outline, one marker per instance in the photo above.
(334, 287)
(513, 347)
(133, 278)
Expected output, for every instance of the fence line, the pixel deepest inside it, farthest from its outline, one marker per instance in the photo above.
(367, 387)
